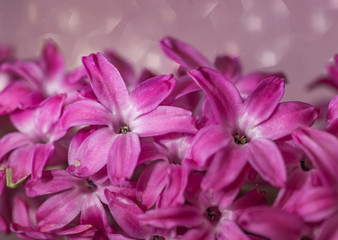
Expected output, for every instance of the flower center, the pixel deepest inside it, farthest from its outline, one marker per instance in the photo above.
(240, 140)
(213, 215)
(91, 185)
(305, 166)
(124, 129)
(157, 237)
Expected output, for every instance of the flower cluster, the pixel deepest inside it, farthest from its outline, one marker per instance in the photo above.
(205, 153)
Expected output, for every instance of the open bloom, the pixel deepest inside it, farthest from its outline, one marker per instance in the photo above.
(126, 117)
(246, 129)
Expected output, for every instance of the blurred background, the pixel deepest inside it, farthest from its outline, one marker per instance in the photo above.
(297, 37)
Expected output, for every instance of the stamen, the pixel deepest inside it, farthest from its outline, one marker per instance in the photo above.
(213, 215)
(91, 185)
(124, 129)
(303, 166)
(157, 237)
(240, 140)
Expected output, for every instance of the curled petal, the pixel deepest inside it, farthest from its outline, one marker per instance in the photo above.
(106, 82)
(267, 160)
(224, 98)
(183, 53)
(166, 119)
(123, 157)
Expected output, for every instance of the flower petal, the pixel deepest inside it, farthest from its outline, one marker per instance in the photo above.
(150, 93)
(322, 151)
(183, 53)
(42, 153)
(287, 117)
(92, 154)
(230, 67)
(59, 210)
(52, 61)
(332, 113)
(267, 160)
(86, 112)
(123, 156)
(164, 119)
(261, 103)
(228, 230)
(328, 230)
(11, 141)
(151, 151)
(106, 82)
(224, 98)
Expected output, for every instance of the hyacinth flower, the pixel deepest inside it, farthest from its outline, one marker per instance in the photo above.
(30, 149)
(332, 117)
(126, 117)
(72, 197)
(188, 58)
(34, 81)
(163, 180)
(245, 129)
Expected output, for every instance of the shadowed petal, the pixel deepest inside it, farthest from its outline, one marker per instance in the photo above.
(123, 156)
(321, 147)
(266, 159)
(166, 119)
(183, 53)
(332, 113)
(150, 93)
(151, 151)
(328, 230)
(224, 98)
(86, 112)
(20, 213)
(92, 154)
(228, 66)
(106, 82)
(287, 117)
(59, 210)
(261, 103)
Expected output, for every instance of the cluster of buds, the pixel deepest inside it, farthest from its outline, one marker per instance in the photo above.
(205, 153)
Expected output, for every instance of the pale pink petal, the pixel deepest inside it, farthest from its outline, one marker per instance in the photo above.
(225, 167)
(106, 82)
(317, 204)
(266, 159)
(207, 142)
(11, 141)
(321, 148)
(59, 210)
(42, 153)
(230, 67)
(20, 163)
(328, 229)
(52, 61)
(151, 183)
(287, 117)
(183, 53)
(52, 182)
(224, 98)
(166, 119)
(169, 217)
(261, 103)
(150, 93)
(126, 212)
(271, 223)
(24, 121)
(123, 157)
(92, 154)
(93, 213)
(86, 112)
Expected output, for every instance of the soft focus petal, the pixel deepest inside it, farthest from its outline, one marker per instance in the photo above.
(200, 233)
(125, 212)
(328, 230)
(321, 147)
(11, 141)
(92, 154)
(261, 103)
(123, 157)
(166, 119)
(287, 117)
(271, 223)
(106, 82)
(267, 160)
(182, 53)
(223, 96)
(229, 230)
(228, 66)
(42, 153)
(20, 213)
(86, 112)
(57, 211)
(150, 93)
(52, 60)
(332, 113)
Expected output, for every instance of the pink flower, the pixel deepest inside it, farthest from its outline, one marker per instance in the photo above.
(245, 129)
(127, 117)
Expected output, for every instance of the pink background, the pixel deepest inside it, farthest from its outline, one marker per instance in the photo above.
(297, 37)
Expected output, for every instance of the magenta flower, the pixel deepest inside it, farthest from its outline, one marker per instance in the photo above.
(246, 129)
(31, 148)
(126, 117)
